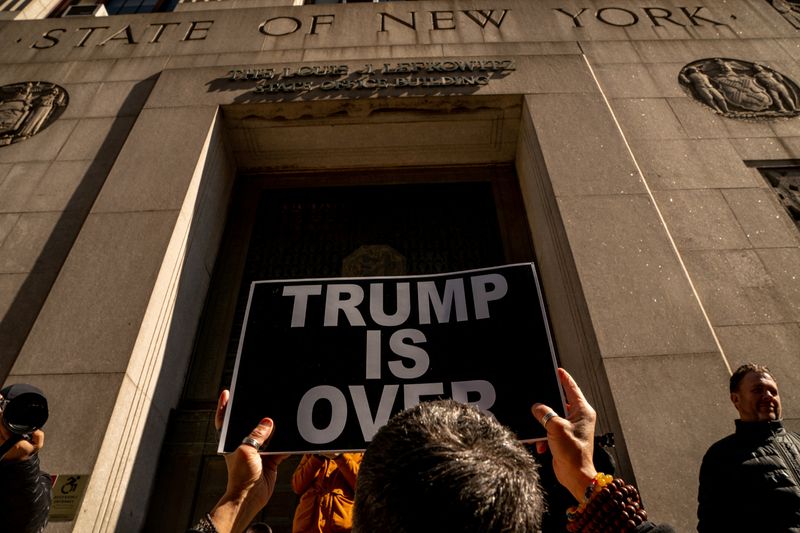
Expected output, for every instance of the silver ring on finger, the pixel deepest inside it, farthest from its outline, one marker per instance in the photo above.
(546, 418)
(250, 441)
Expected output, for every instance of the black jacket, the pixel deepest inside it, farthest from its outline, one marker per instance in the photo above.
(750, 481)
(25, 502)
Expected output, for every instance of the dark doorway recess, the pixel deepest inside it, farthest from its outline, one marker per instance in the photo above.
(289, 226)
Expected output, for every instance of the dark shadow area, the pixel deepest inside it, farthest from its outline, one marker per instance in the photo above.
(27, 304)
(295, 233)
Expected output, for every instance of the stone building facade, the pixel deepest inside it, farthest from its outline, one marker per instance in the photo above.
(645, 154)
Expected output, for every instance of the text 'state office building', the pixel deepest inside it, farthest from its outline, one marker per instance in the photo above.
(156, 157)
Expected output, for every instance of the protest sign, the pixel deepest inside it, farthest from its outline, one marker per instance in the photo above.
(330, 360)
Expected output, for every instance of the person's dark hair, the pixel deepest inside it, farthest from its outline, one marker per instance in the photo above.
(445, 466)
(745, 369)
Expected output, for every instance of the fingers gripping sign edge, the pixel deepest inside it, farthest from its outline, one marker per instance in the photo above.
(222, 405)
(544, 413)
(571, 389)
(260, 434)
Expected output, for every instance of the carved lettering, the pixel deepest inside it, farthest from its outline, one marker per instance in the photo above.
(160, 31)
(48, 35)
(369, 83)
(294, 25)
(315, 21)
(658, 16)
(655, 14)
(444, 20)
(317, 70)
(634, 18)
(575, 18)
(438, 17)
(304, 78)
(251, 74)
(128, 37)
(694, 17)
(443, 66)
(412, 24)
(481, 17)
(89, 31)
(196, 28)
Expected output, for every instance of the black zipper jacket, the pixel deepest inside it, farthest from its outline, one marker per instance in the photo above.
(25, 502)
(750, 481)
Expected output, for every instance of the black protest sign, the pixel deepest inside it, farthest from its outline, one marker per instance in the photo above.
(330, 360)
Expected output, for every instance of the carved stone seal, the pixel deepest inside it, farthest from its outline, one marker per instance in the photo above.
(27, 108)
(739, 89)
(789, 9)
(374, 260)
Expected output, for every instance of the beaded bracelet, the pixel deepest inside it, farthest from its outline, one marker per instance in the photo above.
(204, 525)
(609, 505)
(597, 484)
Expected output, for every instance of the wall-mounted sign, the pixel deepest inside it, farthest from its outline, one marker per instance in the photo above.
(29, 107)
(401, 20)
(740, 89)
(374, 77)
(330, 360)
(68, 490)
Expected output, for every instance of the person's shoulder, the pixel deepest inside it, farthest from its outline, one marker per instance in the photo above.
(721, 447)
(723, 443)
(649, 527)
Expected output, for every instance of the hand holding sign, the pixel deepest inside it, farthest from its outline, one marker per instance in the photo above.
(251, 477)
(571, 439)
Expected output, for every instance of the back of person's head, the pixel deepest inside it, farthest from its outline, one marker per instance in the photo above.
(745, 369)
(444, 466)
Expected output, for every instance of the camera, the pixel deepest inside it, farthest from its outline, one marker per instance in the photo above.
(24, 409)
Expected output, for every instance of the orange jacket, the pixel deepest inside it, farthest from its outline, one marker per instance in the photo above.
(327, 488)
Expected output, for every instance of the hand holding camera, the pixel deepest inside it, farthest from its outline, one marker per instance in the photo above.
(23, 410)
(25, 507)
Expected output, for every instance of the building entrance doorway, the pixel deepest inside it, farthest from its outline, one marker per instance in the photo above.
(388, 222)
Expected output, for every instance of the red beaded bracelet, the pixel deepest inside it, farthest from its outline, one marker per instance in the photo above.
(609, 505)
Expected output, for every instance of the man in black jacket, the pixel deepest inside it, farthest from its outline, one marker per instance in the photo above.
(26, 498)
(750, 481)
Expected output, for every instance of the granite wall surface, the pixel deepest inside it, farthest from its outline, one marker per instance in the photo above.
(666, 257)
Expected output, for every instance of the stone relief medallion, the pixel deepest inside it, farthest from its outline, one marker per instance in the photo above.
(374, 260)
(739, 89)
(27, 108)
(789, 9)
